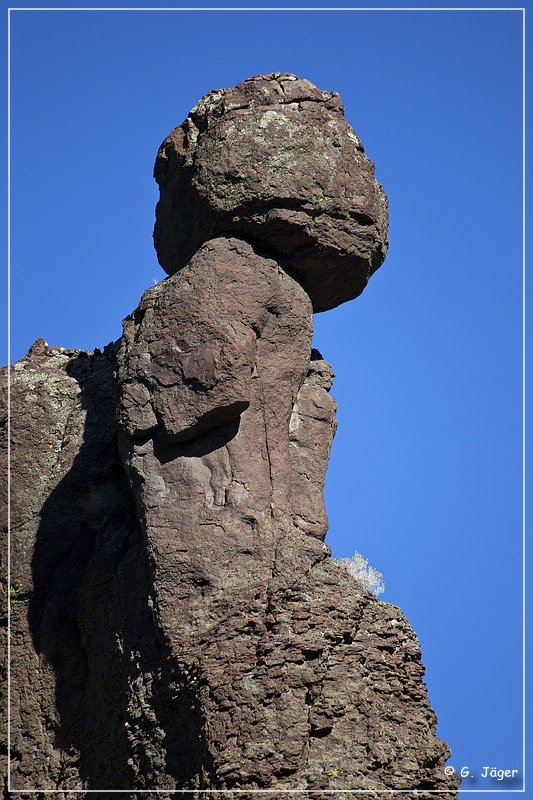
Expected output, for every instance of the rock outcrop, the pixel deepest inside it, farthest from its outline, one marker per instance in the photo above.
(273, 160)
(177, 621)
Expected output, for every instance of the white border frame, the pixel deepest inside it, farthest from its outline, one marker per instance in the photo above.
(267, 791)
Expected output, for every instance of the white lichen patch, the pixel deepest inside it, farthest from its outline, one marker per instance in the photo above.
(157, 484)
(295, 420)
(282, 160)
(236, 494)
(207, 102)
(268, 117)
(350, 133)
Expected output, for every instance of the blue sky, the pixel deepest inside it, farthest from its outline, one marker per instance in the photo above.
(425, 472)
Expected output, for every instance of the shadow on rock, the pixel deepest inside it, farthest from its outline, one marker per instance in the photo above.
(120, 718)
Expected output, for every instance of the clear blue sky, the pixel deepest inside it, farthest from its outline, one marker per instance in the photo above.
(425, 473)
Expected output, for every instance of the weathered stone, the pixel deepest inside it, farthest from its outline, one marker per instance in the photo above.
(90, 678)
(311, 429)
(194, 343)
(301, 677)
(274, 161)
(177, 622)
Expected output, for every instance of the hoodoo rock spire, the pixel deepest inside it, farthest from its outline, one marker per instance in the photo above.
(177, 619)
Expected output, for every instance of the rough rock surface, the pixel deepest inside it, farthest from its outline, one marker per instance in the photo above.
(273, 160)
(177, 621)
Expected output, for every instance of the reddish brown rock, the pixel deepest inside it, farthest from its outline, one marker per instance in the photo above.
(222, 649)
(177, 621)
(303, 680)
(311, 429)
(274, 161)
(190, 351)
(90, 703)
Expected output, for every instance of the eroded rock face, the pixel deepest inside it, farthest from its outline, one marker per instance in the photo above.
(72, 521)
(177, 619)
(273, 160)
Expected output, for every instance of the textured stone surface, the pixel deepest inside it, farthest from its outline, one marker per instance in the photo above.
(191, 348)
(302, 678)
(177, 619)
(90, 678)
(273, 160)
(223, 649)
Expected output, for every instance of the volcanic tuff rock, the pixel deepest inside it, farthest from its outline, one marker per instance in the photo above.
(177, 621)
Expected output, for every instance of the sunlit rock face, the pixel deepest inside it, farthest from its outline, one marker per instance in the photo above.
(274, 161)
(177, 619)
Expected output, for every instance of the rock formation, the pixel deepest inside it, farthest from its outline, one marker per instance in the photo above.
(177, 621)
(274, 161)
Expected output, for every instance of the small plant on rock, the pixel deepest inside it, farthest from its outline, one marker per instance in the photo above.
(365, 575)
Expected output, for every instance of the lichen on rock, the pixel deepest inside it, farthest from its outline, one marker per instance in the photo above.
(274, 161)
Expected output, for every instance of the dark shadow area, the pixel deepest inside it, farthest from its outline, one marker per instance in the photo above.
(207, 442)
(123, 717)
